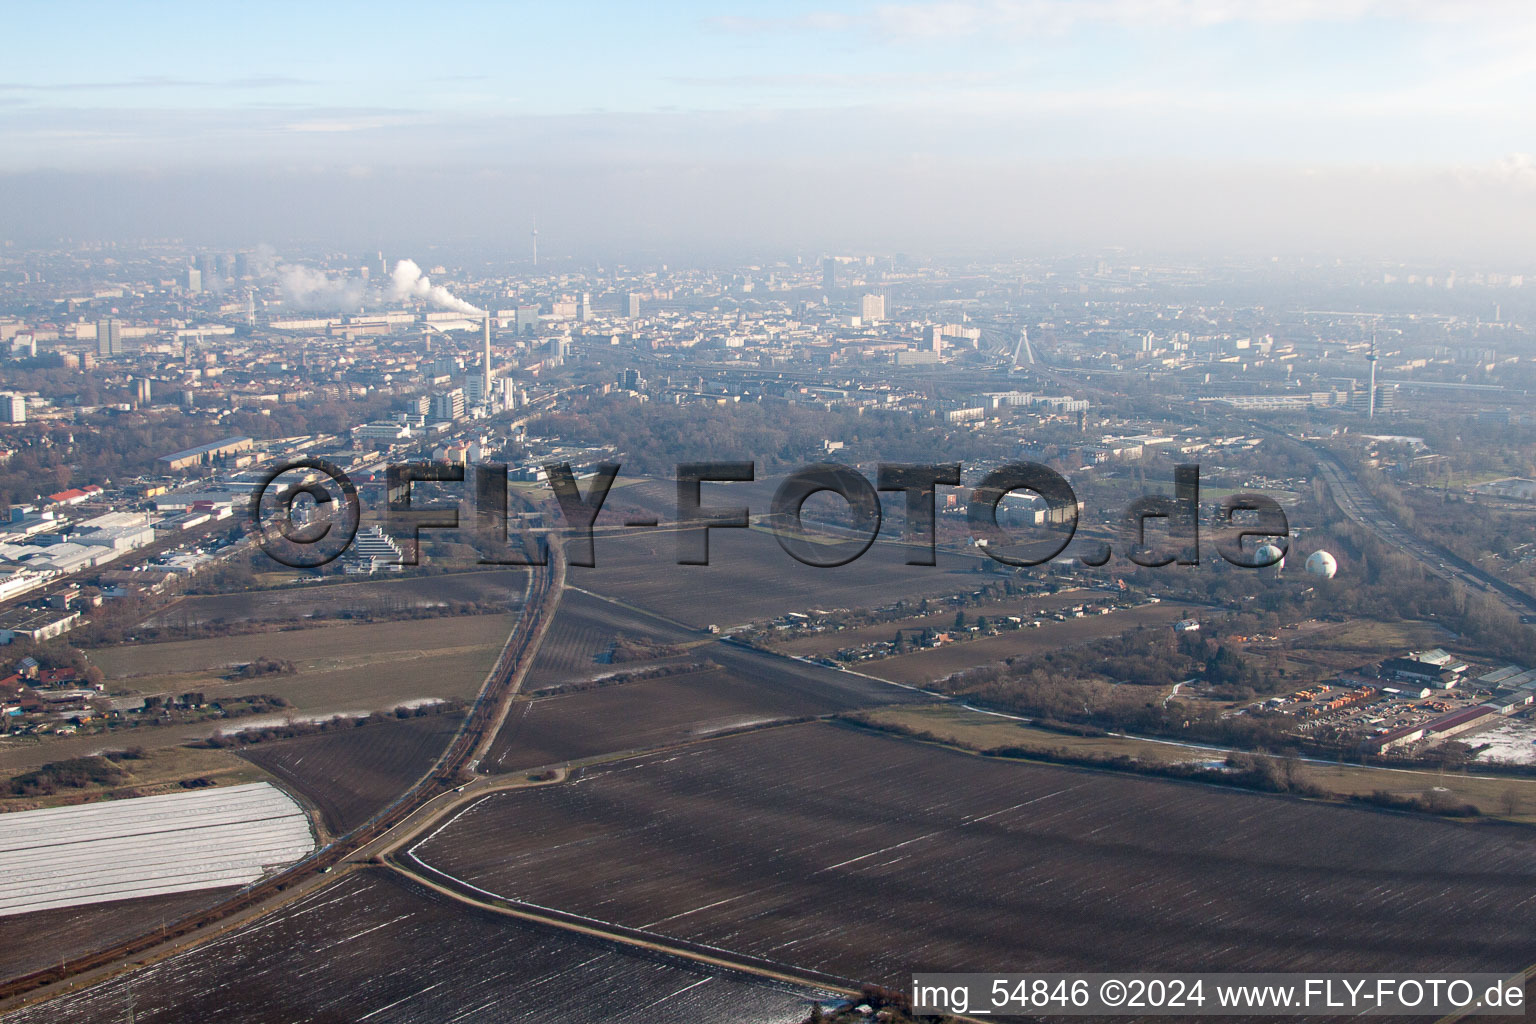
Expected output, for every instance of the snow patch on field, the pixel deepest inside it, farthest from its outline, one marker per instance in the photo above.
(1512, 742)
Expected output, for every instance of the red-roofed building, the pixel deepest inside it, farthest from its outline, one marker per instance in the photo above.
(75, 495)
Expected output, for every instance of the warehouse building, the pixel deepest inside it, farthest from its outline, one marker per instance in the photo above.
(36, 624)
(1437, 668)
(205, 454)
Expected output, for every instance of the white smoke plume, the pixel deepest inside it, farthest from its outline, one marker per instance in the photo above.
(408, 282)
(307, 288)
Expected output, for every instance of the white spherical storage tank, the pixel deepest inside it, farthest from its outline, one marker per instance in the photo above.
(1321, 563)
(1269, 555)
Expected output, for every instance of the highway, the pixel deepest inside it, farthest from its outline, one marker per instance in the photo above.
(1364, 510)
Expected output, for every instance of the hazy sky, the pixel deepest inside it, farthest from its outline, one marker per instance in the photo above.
(1399, 125)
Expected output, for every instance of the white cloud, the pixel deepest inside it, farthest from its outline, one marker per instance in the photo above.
(1517, 170)
(926, 20)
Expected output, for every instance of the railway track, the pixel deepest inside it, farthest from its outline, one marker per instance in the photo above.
(450, 770)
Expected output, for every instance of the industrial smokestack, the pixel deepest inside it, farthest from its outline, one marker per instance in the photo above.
(485, 393)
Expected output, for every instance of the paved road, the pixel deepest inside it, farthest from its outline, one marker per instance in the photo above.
(1364, 510)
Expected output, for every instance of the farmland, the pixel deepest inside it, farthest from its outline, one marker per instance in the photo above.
(740, 686)
(350, 775)
(30, 942)
(344, 599)
(159, 770)
(652, 712)
(736, 686)
(866, 856)
(751, 578)
(323, 648)
(583, 632)
(348, 668)
(961, 726)
(1511, 797)
(373, 947)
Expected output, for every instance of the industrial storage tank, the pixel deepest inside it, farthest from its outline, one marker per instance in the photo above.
(1321, 563)
(1269, 555)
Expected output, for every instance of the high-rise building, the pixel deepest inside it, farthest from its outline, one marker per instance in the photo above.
(935, 339)
(109, 337)
(632, 305)
(242, 264)
(13, 408)
(630, 380)
(1371, 391)
(828, 274)
(1372, 400)
(194, 281)
(872, 308)
(448, 405)
(504, 393)
(584, 310)
(142, 391)
(527, 320)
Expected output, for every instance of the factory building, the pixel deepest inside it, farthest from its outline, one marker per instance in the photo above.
(205, 454)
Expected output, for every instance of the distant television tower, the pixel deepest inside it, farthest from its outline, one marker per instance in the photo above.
(1370, 407)
(535, 245)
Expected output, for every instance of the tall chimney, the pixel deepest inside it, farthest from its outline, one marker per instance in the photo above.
(485, 393)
